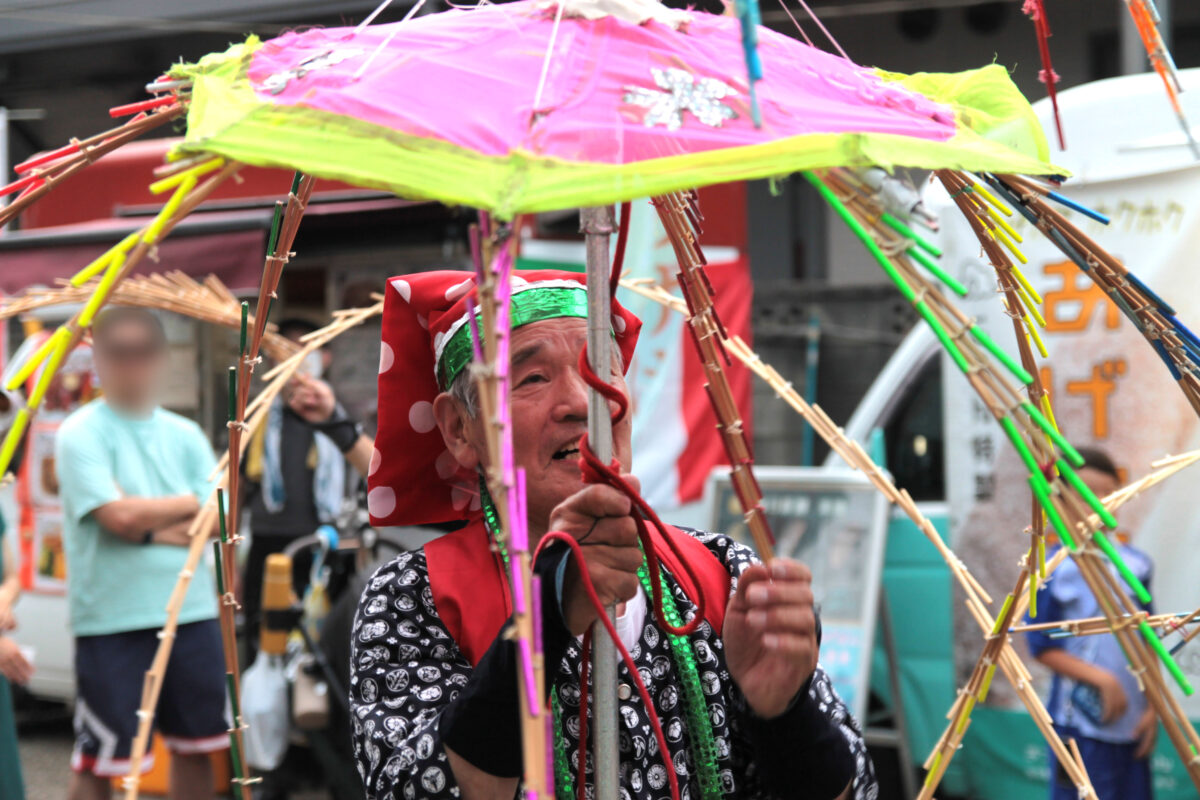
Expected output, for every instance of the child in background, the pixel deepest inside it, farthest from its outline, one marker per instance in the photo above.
(1094, 698)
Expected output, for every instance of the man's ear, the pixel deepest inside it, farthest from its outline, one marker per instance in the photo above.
(455, 426)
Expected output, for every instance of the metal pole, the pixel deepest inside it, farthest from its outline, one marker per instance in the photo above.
(597, 226)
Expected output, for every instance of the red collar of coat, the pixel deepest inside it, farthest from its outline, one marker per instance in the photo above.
(470, 589)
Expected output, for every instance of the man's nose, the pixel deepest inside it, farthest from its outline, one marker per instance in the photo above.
(572, 396)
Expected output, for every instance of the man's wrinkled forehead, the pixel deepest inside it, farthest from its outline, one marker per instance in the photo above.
(562, 338)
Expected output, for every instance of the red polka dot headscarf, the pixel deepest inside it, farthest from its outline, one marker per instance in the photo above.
(413, 479)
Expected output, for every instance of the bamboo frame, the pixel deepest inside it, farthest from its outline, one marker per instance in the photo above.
(207, 301)
(680, 217)
(125, 256)
(507, 491)
(47, 171)
(853, 454)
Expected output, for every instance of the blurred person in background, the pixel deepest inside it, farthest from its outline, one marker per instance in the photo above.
(1094, 698)
(14, 666)
(132, 476)
(295, 469)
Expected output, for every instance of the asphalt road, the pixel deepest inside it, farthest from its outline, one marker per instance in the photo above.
(46, 738)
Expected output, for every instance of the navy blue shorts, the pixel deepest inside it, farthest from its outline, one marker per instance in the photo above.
(110, 671)
(1116, 774)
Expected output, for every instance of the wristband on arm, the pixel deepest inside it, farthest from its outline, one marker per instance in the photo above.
(339, 428)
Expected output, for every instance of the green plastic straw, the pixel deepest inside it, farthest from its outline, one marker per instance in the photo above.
(220, 576)
(233, 385)
(235, 753)
(1087, 494)
(275, 220)
(943, 337)
(245, 321)
(296, 178)
(908, 233)
(1053, 432)
(874, 249)
(939, 273)
(221, 514)
(1132, 580)
(1160, 648)
(996, 350)
(1052, 514)
(1010, 429)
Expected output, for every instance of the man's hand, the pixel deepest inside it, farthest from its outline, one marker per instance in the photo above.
(598, 516)
(8, 620)
(1146, 734)
(13, 664)
(311, 398)
(771, 634)
(1112, 695)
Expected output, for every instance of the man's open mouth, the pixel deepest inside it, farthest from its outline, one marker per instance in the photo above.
(571, 451)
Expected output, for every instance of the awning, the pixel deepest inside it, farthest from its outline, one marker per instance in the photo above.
(230, 245)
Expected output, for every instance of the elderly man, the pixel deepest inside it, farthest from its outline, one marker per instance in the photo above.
(745, 708)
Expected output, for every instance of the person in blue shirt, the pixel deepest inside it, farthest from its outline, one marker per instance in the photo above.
(1094, 698)
(132, 476)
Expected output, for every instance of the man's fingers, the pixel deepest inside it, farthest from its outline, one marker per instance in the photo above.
(612, 531)
(598, 500)
(752, 576)
(771, 593)
(790, 619)
(788, 644)
(633, 482)
(618, 559)
(787, 569)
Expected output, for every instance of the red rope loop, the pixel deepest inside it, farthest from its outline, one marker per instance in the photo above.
(647, 700)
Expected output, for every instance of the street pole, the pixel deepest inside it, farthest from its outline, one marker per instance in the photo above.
(597, 226)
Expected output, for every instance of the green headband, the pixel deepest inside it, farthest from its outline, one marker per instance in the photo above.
(534, 304)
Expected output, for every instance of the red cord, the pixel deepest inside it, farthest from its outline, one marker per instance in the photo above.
(655, 723)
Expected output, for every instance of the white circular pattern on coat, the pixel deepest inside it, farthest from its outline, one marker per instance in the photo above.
(424, 323)
(618, 323)
(459, 497)
(381, 501)
(445, 465)
(420, 416)
(404, 288)
(459, 289)
(376, 460)
(386, 357)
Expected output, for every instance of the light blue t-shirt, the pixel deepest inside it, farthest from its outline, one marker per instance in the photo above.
(114, 584)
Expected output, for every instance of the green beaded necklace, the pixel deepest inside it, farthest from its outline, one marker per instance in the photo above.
(701, 739)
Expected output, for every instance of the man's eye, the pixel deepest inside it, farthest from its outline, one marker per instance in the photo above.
(533, 377)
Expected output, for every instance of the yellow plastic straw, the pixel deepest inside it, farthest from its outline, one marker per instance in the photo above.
(155, 229)
(48, 373)
(1007, 242)
(987, 683)
(102, 290)
(1028, 302)
(968, 707)
(991, 198)
(12, 438)
(1009, 229)
(1028, 286)
(158, 187)
(96, 267)
(1037, 337)
(39, 355)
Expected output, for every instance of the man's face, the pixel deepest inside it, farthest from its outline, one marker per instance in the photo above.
(129, 362)
(549, 412)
